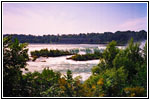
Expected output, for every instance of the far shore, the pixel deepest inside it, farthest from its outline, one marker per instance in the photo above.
(105, 44)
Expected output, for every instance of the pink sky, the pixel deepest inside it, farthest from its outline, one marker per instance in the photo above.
(73, 18)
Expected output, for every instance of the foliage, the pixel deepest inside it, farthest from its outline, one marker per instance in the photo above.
(14, 59)
(121, 37)
(131, 59)
(51, 84)
(109, 53)
(96, 70)
(119, 70)
(135, 92)
(49, 53)
(85, 57)
(35, 83)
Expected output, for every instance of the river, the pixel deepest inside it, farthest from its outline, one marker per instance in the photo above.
(61, 64)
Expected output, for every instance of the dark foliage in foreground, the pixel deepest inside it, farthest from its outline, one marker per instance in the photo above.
(120, 73)
(121, 37)
(14, 58)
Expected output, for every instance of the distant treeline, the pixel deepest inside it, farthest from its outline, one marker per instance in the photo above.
(121, 37)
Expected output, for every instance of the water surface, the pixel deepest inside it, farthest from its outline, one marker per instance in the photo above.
(61, 64)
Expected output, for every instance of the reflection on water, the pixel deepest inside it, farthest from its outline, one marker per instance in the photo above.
(82, 68)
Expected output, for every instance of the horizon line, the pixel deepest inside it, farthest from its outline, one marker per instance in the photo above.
(71, 33)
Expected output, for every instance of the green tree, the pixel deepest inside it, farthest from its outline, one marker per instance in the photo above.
(120, 74)
(14, 59)
(109, 53)
(130, 58)
(39, 84)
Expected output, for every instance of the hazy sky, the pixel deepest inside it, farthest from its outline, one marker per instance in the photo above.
(73, 18)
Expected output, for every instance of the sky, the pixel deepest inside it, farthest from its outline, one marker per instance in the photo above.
(73, 18)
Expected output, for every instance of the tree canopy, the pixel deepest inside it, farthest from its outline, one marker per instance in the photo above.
(121, 37)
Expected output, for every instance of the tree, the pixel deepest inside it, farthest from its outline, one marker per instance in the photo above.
(109, 53)
(120, 72)
(14, 59)
(130, 58)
